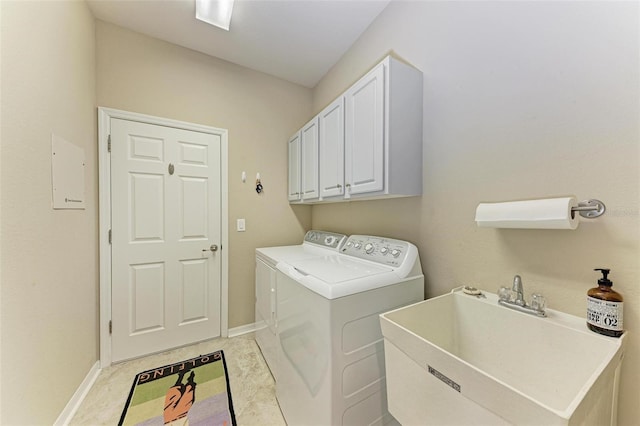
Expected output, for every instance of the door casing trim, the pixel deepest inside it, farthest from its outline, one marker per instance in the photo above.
(104, 197)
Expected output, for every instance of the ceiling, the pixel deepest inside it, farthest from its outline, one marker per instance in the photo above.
(296, 40)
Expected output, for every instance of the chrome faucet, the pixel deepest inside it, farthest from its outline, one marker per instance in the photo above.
(514, 299)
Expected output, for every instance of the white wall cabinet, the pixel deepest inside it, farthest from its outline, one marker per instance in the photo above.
(370, 138)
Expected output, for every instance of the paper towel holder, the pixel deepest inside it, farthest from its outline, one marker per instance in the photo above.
(589, 209)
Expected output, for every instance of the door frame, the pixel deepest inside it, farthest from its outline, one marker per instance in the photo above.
(104, 193)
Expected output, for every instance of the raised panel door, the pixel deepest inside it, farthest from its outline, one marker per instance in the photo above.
(165, 201)
(309, 160)
(331, 125)
(294, 168)
(364, 134)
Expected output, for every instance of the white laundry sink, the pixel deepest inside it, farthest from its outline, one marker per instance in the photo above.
(461, 359)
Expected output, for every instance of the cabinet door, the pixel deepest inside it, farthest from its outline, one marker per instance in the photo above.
(364, 134)
(294, 167)
(331, 123)
(309, 163)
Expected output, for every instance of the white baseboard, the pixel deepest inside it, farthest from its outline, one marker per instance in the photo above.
(74, 403)
(243, 329)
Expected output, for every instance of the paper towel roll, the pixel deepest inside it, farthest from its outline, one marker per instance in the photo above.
(550, 213)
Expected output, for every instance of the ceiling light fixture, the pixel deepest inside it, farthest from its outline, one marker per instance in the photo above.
(215, 12)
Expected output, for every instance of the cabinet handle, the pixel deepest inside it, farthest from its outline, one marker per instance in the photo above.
(338, 186)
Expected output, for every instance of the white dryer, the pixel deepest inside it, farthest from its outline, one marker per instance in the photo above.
(330, 346)
(315, 244)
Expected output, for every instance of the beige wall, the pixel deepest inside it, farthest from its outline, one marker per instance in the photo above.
(521, 100)
(49, 258)
(141, 74)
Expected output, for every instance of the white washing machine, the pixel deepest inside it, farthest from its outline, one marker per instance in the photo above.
(315, 244)
(330, 346)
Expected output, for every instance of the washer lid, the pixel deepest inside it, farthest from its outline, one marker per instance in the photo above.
(336, 269)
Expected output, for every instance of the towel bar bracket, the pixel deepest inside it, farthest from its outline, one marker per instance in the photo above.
(589, 209)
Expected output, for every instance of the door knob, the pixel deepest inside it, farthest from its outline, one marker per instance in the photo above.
(213, 247)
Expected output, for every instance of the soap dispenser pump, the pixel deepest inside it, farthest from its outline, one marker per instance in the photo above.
(604, 307)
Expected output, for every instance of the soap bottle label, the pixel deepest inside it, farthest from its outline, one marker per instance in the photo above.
(604, 314)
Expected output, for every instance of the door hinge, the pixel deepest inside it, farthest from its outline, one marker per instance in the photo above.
(109, 236)
(109, 143)
(110, 326)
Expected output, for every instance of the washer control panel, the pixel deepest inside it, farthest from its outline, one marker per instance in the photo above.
(377, 249)
(325, 239)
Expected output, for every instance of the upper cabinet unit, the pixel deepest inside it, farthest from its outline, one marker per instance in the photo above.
(369, 140)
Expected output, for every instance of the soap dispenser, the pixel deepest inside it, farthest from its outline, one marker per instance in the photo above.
(604, 307)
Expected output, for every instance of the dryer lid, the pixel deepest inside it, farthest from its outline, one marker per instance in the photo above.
(336, 269)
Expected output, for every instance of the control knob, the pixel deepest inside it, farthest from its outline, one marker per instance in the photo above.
(329, 240)
(395, 252)
(368, 248)
(384, 250)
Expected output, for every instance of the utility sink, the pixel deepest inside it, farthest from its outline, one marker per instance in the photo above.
(459, 359)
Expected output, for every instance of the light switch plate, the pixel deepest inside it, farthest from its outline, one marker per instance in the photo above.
(240, 225)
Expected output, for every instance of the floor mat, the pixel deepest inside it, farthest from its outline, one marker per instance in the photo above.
(192, 392)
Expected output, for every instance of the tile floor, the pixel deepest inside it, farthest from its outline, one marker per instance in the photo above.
(252, 386)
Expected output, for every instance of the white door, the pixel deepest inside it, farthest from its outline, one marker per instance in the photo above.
(309, 162)
(166, 208)
(331, 125)
(294, 167)
(364, 134)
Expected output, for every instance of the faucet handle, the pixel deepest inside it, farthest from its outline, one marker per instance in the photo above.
(538, 302)
(504, 293)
